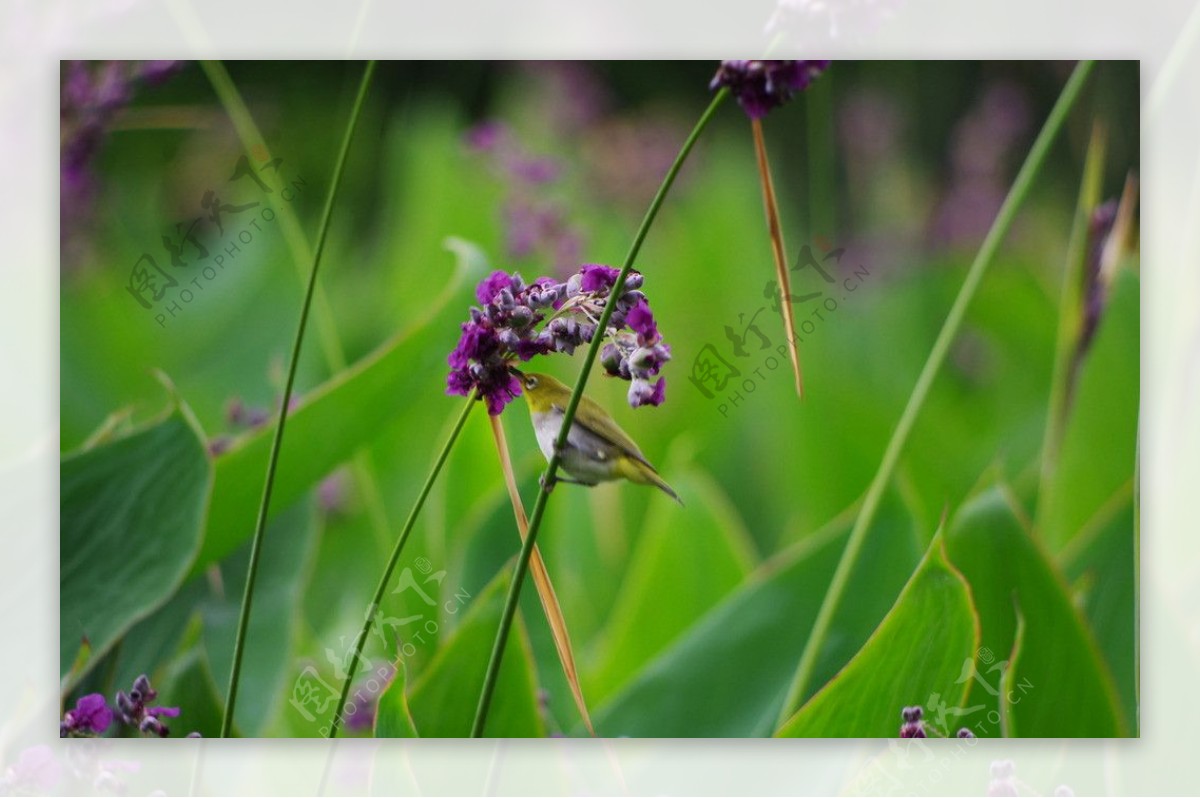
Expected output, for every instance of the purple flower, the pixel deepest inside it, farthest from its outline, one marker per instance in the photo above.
(597, 278)
(760, 86)
(641, 392)
(486, 136)
(641, 321)
(90, 716)
(506, 330)
(965, 734)
(912, 725)
(132, 709)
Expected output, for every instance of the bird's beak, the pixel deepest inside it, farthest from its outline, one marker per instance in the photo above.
(516, 372)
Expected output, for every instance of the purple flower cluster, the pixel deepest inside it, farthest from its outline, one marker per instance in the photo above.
(760, 86)
(914, 726)
(91, 716)
(504, 330)
(132, 709)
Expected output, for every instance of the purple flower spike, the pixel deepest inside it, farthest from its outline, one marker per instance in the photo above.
(90, 716)
(760, 86)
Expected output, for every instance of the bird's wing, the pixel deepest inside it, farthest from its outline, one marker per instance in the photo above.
(606, 429)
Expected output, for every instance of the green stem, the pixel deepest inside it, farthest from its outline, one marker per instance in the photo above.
(535, 520)
(916, 400)
(255, 146)
(273, 461)
(381, 588)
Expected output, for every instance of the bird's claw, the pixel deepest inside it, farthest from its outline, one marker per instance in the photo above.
(547, 484)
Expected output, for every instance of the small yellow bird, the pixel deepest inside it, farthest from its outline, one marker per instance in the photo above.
(597, 450)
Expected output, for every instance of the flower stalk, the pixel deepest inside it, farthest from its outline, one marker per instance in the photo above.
(393, 560)
(539, 507)
(339, 169)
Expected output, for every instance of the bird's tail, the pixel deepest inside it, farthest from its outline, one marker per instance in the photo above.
(637, 471)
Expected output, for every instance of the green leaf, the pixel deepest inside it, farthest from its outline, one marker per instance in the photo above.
(392, 716)
(132, 513)
(726, 675)
(288, 547)
(330, 424)
(1061, 687)
(191, 687)
(687, 559)
(1105, 565)
(1098, 446)
(444, 697)
(915, 657)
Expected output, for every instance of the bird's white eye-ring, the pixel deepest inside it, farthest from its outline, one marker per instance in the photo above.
(531, 382)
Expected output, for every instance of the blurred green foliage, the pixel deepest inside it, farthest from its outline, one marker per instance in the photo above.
(685, 621)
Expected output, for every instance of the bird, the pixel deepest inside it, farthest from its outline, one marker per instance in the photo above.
(597, 450)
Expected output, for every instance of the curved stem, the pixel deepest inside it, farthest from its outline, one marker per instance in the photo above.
(916, 400)
(239, 642)
(539, 507)
(381, 588)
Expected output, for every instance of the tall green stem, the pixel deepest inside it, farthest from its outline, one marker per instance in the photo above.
(535, 521)
(255, 146)
(361, 640)
(916, 400)
(273, 461)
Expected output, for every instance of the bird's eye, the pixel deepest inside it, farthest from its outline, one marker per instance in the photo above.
(531, 382)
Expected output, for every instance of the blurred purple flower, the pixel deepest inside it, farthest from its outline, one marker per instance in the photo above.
(91, 716)
(36, 772)
(760, 86)
(981, 147)
(1095, 287)
(90, 96)
(912, 725)
(813, 22)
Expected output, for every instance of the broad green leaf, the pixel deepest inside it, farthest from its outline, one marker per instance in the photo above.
(132, 513)
(1098, 446)
(328, 426)
(726, 676)
(392, 717)
(191, 686)
(915, 657)
(287, 550)
(443, 698)
(1104, 562)
(151, 646)
(1062, 688)
(687, 560)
